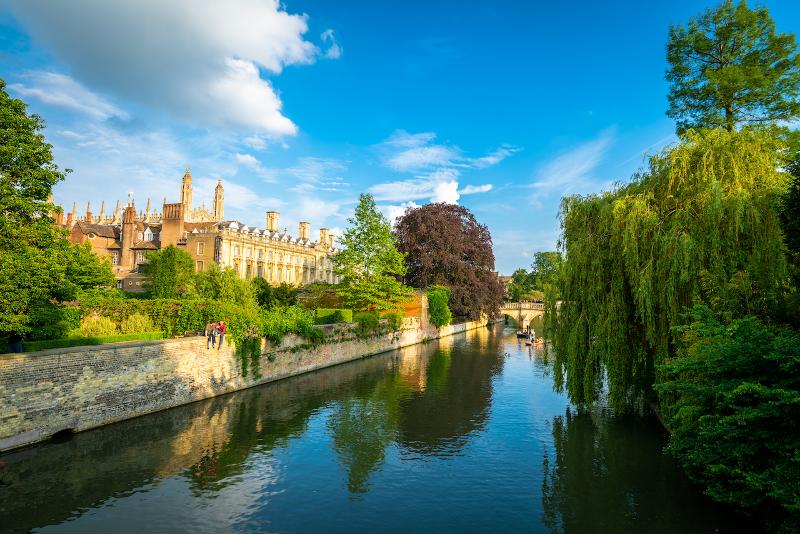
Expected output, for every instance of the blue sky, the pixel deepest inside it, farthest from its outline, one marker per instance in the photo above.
(503, 107)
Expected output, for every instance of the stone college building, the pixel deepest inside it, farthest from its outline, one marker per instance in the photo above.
(126, 236)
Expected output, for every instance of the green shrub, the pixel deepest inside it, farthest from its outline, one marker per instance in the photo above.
(438, 310)
(31, 346)
(53, 321)
(333, 315)
(94, 326)
(731, 398)
(367, 323)
(394, 321)
(136, 323)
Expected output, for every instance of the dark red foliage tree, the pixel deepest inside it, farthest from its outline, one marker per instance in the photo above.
(445, 245)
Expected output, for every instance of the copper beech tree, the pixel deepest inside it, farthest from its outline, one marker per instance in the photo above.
(445, 245)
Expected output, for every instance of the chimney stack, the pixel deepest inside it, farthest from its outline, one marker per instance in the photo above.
(272, 221)
(305, 230)
(323, 237)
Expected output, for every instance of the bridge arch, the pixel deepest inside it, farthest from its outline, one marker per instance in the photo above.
(523, 312)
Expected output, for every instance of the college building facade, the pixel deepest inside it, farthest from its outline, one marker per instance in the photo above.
(126, 236)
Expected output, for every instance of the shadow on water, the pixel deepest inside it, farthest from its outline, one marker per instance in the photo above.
(605, 474)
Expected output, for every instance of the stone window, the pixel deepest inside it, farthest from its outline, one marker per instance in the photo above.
(91, 235)
(139, 256)
(199, 265)
(141, 236)
(148, 235)
(201, 249)
(114, 258)
(236, 250)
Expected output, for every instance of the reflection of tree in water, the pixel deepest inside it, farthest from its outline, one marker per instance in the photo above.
(609, 475)
(456, 401)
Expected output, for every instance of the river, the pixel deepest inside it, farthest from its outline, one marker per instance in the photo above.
(464, 434)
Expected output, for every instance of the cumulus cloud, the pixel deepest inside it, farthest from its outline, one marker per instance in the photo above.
(208, 73)
(62, 91)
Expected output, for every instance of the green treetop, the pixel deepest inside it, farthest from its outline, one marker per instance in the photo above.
(38, 266)
(369, 263)
(169, 272)
(700, 226)
(728, 67)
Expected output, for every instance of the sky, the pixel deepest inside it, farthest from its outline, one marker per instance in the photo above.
(300, 106)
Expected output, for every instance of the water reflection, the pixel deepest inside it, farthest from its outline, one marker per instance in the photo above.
(602, 476)
(465, 433)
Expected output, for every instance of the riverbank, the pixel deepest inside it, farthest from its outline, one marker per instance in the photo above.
(58, 391)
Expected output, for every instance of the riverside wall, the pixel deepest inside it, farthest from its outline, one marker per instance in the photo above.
(74, 389)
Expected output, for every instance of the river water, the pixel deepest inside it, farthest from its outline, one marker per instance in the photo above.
(464, 434)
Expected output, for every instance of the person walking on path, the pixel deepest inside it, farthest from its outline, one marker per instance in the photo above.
(211, 335)
(221, 328)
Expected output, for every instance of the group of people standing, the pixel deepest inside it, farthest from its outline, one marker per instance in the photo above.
(212, 331)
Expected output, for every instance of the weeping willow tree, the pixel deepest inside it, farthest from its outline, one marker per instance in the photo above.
(700, 225)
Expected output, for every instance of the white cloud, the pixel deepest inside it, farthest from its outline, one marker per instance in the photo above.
(62, 91)
(495, 157)
(473, 189)
(334, 51)
(322, 174)
(393, 212)
(571, 171)
(197, 60)
(406, 152)
(255, 142)
(241, 201)
(248, 160)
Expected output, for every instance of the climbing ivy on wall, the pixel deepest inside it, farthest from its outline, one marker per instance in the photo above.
(698, 226)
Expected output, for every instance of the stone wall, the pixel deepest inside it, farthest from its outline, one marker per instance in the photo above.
(46, 392)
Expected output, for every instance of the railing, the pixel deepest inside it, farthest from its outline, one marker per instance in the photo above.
(523, 305)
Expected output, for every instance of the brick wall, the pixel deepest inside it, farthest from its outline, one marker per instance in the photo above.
(79, 388)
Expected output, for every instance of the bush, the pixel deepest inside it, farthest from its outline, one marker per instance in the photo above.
(53, 321)
(366, 323)
(333, 315)
(394, 321)
(438, 310)
(94, 326)
(731, 398)
(136, 323)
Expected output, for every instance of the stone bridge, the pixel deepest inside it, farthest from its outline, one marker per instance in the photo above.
(523, 312)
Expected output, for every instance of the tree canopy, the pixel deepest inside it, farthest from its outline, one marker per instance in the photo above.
(369, 263)
(728, 67)
(445, 245)
(699, 226)
(169, 272)
(38, 265)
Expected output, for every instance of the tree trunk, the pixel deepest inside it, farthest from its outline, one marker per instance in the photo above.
(729, 117)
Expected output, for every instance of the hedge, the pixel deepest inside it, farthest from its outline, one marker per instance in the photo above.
(333, 315)
(438, 310)
(32, 346)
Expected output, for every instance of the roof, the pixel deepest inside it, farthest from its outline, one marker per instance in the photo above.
(102, 230)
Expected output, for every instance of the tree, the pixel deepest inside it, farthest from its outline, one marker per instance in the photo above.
(728, 67)
(169, 272)
(445, 245)
(731, 399)
(263, 293)
(546, 271)
(369, 263)
(521, 285)
(224, 285)
(700, 226)
(39, 267)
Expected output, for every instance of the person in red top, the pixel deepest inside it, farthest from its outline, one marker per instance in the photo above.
(222, 327)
